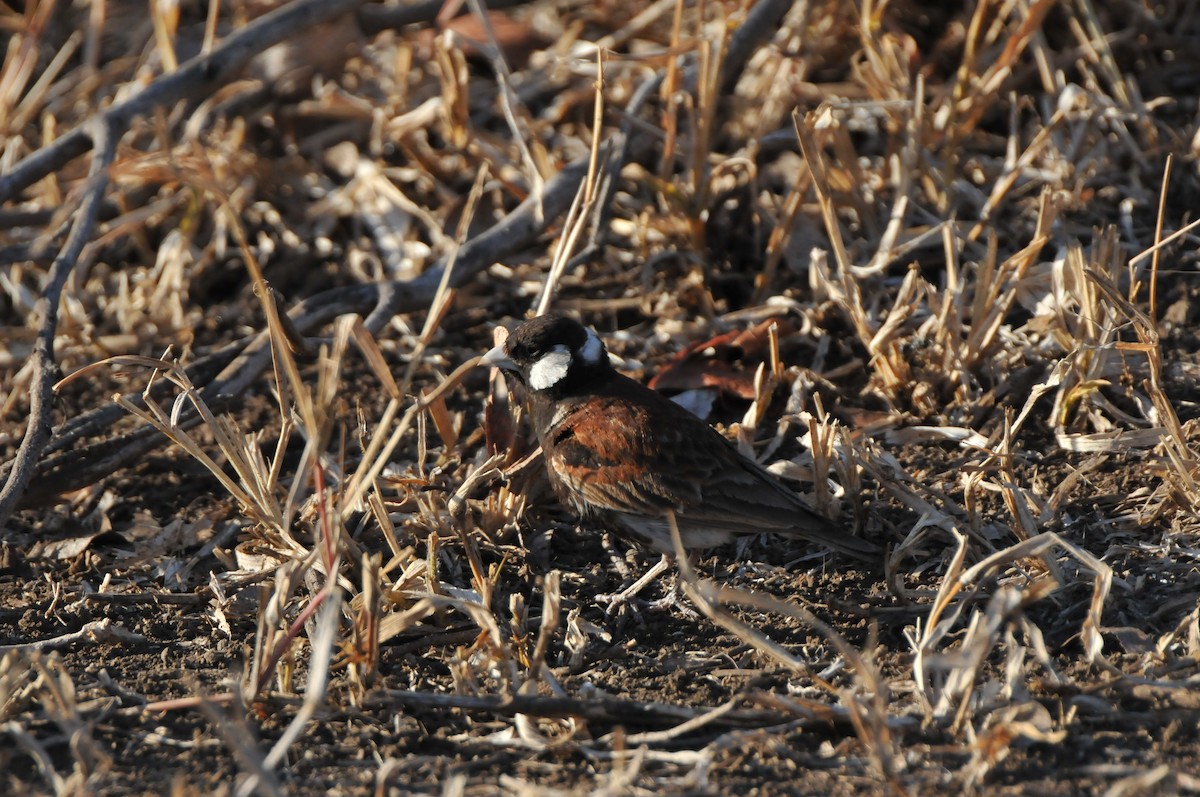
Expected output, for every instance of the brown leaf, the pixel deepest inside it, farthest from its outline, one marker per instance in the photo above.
(516, 38)
(726, 362)
(63, 549)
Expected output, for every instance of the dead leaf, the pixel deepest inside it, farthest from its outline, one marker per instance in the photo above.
(726, 362)
(516, 38)
(63, 549)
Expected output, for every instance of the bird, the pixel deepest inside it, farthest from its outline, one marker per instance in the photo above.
(626, 456)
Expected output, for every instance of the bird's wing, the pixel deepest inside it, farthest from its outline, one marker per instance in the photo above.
(664, 458)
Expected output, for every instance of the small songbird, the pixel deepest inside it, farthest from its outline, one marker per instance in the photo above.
(622, 454)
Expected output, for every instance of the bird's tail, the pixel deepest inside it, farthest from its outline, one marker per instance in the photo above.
(823, 531)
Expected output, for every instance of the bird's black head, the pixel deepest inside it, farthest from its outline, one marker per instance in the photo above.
(552, 354)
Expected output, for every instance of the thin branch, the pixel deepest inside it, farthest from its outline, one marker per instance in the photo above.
(600, 709)
(45, 370)
(97, 632)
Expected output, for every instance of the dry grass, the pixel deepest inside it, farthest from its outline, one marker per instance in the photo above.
(966, 234)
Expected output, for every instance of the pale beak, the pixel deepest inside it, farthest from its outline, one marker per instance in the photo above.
(498, 358)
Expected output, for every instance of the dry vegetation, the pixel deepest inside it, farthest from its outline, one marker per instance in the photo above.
(272, 533)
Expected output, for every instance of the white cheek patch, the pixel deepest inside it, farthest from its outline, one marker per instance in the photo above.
(592, 349)
(552, 367)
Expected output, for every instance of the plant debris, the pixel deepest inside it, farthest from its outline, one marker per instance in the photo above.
(264, 527)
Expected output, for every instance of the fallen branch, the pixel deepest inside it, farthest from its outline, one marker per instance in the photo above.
(41, 397)
(95, 632)
(608, 710)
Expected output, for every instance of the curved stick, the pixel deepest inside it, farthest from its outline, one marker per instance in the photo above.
(41, 397)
